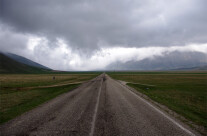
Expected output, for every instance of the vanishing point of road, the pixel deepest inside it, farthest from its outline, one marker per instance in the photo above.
(101, 106)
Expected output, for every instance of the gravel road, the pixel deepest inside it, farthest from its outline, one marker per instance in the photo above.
(101, 106)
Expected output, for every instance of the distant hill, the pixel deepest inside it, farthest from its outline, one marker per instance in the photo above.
(171, 61)
(193, 68)
(24, 60)
(9, 65)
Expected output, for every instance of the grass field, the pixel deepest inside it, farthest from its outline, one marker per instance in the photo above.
(30, 80)
(20, 93)
(183, 92)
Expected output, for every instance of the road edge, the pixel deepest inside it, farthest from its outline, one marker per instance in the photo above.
(164, 109)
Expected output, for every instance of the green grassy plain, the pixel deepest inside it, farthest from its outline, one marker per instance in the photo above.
(22, 92)
(31, 80)
(183, 92)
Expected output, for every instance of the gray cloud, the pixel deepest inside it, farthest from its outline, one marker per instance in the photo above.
(130, 23)
(72, 34)
(11, 41)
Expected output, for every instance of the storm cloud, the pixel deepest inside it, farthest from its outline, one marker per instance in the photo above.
(81, 29)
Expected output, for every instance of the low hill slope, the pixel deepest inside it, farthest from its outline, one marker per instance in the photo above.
(24, 60)
(8, 65)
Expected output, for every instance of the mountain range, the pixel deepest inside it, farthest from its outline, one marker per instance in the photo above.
(170, 61)
(12, 63)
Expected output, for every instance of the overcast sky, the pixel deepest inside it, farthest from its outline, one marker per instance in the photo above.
(91, 34)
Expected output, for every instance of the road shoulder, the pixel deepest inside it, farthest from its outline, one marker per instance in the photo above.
(186, 124)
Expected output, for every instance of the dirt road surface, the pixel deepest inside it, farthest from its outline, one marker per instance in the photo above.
(101, 106)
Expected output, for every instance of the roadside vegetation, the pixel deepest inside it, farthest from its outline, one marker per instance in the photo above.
(182, 92)
(21, 92)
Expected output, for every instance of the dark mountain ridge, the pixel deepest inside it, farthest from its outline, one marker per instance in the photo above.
(171, 61)
(25, 60)
(9, 65)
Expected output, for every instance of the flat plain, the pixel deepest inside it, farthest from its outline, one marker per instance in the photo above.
(184, 92)
(22, 92)
(101, 106)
